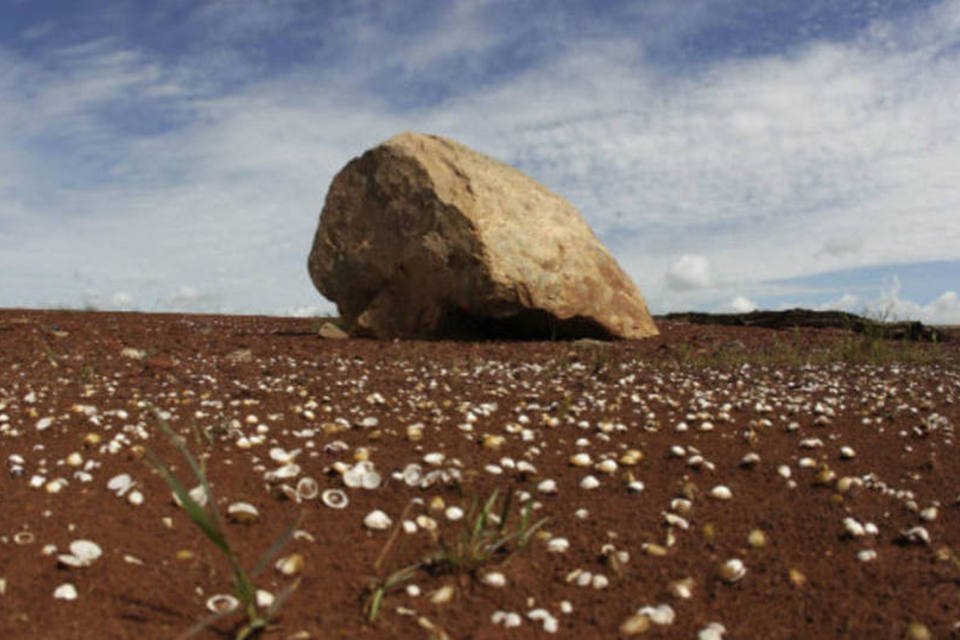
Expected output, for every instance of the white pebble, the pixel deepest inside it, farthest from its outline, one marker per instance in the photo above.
(508, 619)
(750, 459)
(853, 528)
(377, 520)
(929, 514)
(713, 631)
(558, 545)
(721, 492)
(494, 579)
(600, 581)
(66, 591)
(453, 513)
(581, 459)
(660, 615)
(607, 466)
(589, 482)
(866, 555)
(547, 486)
(733, 570)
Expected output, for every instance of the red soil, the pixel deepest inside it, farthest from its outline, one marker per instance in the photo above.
(900, 420)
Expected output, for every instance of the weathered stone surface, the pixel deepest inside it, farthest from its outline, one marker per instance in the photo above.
(424, 237)
(330, 331)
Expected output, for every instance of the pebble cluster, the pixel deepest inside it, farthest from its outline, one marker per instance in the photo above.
(687, 452)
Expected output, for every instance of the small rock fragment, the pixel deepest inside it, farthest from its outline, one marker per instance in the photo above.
(65, 591)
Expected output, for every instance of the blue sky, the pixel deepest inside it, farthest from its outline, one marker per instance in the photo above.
(174, 155)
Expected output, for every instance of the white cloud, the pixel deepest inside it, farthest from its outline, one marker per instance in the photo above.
(945, 309)
(742, 304)
(689, 272)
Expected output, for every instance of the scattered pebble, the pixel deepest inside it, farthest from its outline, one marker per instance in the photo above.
(65, 591)
(377, 520)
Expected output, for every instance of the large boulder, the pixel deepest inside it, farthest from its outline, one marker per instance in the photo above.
(424, 237)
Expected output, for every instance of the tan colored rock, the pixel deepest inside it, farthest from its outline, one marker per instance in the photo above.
(330, 331)
(424, 237)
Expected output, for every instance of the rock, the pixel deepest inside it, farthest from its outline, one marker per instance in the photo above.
(424, 237)
(330, 331)
(239, 356)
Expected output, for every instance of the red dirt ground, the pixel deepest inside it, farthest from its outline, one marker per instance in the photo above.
(549, 400)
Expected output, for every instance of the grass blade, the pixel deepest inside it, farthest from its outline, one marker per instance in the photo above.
(275, 548)
(203, 623)
(199, 515)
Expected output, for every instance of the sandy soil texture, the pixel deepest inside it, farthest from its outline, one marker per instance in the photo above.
(713, 482)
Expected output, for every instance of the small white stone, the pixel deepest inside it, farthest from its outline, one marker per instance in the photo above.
(409, 527)
(733, 570)
(120, 483)
(847, 453)
(866, 555)
(589, 483)
(135, 498)
(750, 459)
(508, 619)
(607, 466)
(453, 513)
(243, 513)
(581, 459)
(713, 631)
(853, 528)
(582, 578)
(548, 486)
(44, 423)
(65, 591)
(377, 520)
(636, 487)
(82, 554)
(783, 471)
(721, 492)
(558, 545)
(434, 459)
(662, 614)
(494, 579)
(600, 581)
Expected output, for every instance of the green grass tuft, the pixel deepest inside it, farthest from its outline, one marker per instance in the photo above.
(208, 519)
